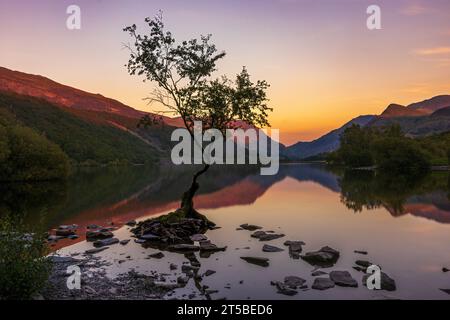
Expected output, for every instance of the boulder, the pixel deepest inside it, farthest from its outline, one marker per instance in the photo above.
(322, 284)
(269, 248)
(326, 257)
(343, 279)
(263, 262)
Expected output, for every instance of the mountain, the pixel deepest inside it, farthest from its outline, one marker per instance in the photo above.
(431, 105)
(327, 143)
(396, 110)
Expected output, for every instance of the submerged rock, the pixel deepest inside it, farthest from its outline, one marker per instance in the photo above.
(326, 257)
(263, 262)
(322, 284)
(209, 273)
(183, 247)
(208, 246)
(360, 252)
(343, 279)
(363, 263)
(269, 248)
(445, 269)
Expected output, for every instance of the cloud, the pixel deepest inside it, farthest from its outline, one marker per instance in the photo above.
(433, 51)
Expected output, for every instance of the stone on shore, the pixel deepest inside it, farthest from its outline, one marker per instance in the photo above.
(250, 227)
(322, 284)
(98, 235)
(105, 242)
(326, 257)
(343, 279)
(269, 248)
(386, 282)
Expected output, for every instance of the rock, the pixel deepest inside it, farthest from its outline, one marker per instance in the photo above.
(209, 273)
(447, 291)
(73, 237)
(131, 223)
(343, 279)
(322, 284)
(295, 248)
(360, 252)
(318, 273)
(250, 227)
(360, 269)
(173, 266)
(269, 248)
(105, 242)
(326, 257)
(98, 235)
(182, 280)
(93, 226)
(124, 242)
(158, 255)
(294, 282)
(64, 232)
(445, 270)
(183, 247)
(95, 250)
(284, 289)
(386, 282)
(208, 246)
(264, 236)
(140, 241)
(198, 237)
(363, 263)
(263, 262)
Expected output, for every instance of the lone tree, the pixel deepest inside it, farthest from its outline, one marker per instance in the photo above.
(182, 72)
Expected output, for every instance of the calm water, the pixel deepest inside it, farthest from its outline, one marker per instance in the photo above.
(403, 223)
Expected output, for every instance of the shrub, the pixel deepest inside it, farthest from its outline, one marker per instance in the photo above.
(24, 267)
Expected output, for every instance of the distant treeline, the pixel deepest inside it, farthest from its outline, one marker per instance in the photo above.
(389, 149)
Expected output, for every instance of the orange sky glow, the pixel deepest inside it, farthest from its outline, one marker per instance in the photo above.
(324, 66)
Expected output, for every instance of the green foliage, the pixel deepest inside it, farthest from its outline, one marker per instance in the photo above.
(26, 155)
(386, 148)
(24, 268)
(82, 136)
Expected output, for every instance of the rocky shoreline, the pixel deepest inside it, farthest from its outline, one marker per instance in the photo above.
(186, 237)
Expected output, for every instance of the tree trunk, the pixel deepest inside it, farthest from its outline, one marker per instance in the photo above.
(187, 203)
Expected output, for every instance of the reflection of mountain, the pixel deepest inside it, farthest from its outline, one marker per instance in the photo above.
(120, 195)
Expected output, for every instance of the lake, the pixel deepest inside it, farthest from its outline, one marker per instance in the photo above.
(402, 222)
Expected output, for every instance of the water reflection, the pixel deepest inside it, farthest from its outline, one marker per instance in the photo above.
(121, 194)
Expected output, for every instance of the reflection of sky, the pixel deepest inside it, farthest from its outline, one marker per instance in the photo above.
(324, 65)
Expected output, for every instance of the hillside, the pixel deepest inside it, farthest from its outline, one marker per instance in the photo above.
(324, 144)
(82, 140)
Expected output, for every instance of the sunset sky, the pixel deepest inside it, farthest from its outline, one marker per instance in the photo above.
(324, 66)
